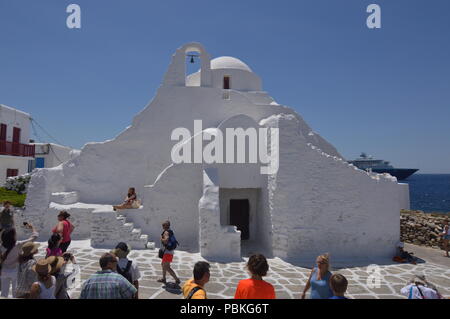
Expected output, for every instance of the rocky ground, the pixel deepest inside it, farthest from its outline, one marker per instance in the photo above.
(421, 228)
(287, 278)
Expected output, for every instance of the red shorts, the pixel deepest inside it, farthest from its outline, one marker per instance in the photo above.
(167, 258)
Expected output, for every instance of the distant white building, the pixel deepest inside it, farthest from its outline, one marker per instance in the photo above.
(49, 155)
(16, 154)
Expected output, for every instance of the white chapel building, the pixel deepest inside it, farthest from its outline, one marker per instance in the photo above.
(313, 202)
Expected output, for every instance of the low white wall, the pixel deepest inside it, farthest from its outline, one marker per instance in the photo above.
(174, 197)
(217, 242)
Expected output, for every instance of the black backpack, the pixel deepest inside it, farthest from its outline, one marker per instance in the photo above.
(193, 291)
(126, 272)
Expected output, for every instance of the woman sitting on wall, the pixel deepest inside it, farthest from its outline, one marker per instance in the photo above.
(130, 201)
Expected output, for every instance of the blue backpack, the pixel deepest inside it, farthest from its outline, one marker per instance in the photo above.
(173, 243)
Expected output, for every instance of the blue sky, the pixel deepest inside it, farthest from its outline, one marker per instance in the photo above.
(385, 91)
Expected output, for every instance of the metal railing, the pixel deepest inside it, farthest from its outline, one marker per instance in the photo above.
(16, 149)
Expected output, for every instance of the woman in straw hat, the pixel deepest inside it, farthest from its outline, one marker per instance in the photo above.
(26, 276)
(58, 266)
(44, 288)
(420, 288)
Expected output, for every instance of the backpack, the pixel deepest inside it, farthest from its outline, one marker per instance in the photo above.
(172, 243)
(193, 291)
(126, 272)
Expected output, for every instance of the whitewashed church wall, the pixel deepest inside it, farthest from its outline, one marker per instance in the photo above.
(325, 205)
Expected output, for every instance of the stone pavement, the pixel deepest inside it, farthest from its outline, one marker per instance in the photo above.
(288, 280)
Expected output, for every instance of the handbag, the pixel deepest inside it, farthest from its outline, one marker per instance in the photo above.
(161, 253)
(136, 203)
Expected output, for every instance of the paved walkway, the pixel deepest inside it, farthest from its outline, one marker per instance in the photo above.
(288, 279)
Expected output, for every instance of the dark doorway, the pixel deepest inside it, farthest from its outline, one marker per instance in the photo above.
(240, 216)
(226, 82)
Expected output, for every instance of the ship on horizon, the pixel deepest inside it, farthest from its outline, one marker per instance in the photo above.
(367, 163)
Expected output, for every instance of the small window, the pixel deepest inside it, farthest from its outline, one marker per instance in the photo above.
(10, 172)
(226, 83)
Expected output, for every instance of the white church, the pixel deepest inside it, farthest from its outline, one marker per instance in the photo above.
(314, 202)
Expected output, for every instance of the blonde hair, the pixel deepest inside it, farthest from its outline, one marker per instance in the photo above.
(325, 258)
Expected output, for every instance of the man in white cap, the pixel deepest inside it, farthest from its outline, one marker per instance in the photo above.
(127, 267)
(404, 254)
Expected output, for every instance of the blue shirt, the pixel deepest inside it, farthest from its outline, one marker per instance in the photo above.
(338, 297)
(106, 284)
(320, 289)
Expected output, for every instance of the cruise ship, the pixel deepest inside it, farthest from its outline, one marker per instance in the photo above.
(367, 163)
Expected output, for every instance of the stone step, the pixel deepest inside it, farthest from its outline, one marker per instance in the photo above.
(128, 227)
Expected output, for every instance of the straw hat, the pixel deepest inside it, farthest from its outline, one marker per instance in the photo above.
(29, 248)
(55, 263)
(42, 267)
(122, 250)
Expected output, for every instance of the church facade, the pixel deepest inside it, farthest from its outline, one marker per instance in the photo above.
(312, 201)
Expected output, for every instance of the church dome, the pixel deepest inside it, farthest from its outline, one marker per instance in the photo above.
(228, 62)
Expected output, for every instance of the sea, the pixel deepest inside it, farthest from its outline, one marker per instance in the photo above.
(429, 192)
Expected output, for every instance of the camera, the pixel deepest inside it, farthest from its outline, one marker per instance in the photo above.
(67, 256)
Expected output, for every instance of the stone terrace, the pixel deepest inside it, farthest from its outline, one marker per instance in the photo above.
(288, 279)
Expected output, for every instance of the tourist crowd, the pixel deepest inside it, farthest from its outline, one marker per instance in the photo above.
(49, 277)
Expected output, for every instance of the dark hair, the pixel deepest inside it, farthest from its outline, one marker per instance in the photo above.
(133, 191)
(200, 269)
(23, 259)
(53, 241)
(106, 258)
(122, 246)
(64, 214)
(257, 265)
(338, 283)
(6, 202)
(8, 241)
(166, 223)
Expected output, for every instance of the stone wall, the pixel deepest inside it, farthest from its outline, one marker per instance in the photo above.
(419, 228)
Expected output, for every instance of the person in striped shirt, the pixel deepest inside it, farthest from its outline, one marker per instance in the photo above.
(107, 283)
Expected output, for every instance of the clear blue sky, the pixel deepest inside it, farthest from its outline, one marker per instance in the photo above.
(385, 92)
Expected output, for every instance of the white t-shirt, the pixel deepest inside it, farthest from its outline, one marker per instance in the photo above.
(135, 273)
(427, 292)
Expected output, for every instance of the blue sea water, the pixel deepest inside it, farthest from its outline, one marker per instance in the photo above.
(429, 192)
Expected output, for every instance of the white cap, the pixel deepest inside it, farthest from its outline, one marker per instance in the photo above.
(400, 244)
